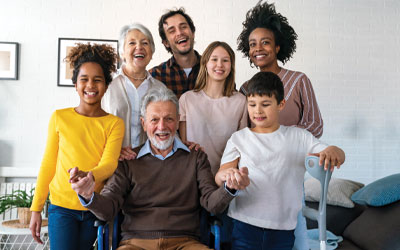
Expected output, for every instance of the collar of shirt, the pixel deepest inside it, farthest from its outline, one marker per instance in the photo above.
(172, 61)
(146, 149)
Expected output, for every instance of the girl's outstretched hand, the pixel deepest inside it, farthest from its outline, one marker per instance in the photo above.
(82, 182)
(75, 174)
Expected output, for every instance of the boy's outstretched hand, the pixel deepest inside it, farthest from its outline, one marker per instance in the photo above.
(235, 178)
(332, 155)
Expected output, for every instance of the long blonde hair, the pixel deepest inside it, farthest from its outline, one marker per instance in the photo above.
(229, 86)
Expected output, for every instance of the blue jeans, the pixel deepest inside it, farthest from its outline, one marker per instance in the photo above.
(249, 237)
(71, 229)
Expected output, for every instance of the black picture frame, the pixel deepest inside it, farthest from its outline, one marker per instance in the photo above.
(64, 72)
(9, 60)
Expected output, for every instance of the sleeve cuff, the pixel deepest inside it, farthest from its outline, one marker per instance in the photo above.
(83, 200)
(232, 192)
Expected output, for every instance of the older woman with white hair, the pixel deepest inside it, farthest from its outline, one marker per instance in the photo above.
(124, 94)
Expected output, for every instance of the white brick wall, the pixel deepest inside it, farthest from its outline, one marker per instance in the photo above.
(349, 49)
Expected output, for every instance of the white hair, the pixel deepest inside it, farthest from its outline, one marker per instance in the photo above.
(158, 94)
(134, 26)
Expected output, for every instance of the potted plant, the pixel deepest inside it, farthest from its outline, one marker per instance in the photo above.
(20, 199)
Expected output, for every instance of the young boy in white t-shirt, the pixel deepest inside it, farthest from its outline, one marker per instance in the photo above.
(265, 212)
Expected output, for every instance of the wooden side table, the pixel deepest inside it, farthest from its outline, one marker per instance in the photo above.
(21, 238)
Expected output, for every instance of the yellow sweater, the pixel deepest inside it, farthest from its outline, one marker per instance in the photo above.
(89, 143)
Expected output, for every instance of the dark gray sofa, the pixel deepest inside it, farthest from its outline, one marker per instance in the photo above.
(363, 227)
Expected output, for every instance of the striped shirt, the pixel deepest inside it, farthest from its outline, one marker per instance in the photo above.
(301, 107)
(174, 76)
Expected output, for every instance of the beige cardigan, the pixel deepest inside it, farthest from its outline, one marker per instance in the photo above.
(115, 101)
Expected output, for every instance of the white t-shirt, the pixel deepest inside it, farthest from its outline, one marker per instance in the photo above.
(276, 171)
(187, 71)
(211, 122)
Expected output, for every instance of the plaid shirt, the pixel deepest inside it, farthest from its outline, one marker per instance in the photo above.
(174, 77)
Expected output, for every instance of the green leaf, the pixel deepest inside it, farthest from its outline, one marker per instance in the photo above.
(18, 198)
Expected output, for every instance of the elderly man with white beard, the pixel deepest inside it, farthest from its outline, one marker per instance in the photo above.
(161, 191)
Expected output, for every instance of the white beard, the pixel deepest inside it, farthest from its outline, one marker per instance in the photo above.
(161, 145)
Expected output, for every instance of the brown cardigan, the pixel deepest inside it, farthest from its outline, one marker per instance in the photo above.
(161, 198)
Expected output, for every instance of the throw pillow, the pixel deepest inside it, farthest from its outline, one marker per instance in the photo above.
(379, 193)
(339, 191)
(376, 228)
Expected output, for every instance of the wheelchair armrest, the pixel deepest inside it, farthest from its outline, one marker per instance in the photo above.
(98, 223)
(214, 221)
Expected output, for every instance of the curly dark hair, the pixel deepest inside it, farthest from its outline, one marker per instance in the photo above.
(266, 83)
(170, 13)
(264, 15)
(102, 54)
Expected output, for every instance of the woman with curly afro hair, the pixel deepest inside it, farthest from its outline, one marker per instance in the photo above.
(266, 38)
(82, 141)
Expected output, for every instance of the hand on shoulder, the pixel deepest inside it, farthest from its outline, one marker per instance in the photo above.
(127, 154)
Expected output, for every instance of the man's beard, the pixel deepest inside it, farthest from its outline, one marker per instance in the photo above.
(161, 145)
(184, 52)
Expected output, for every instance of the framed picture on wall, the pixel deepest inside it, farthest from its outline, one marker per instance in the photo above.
(9, 52)
(64, 71)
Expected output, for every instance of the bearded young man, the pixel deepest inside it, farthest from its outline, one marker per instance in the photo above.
(177, 33)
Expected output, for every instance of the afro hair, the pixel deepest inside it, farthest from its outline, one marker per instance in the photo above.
(264, 15)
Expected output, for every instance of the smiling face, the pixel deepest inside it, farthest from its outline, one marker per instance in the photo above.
(137, 50)
(90, 84)
(264, 112)
(161, 123)
(219, 65)
(180, 38)
(263, 50)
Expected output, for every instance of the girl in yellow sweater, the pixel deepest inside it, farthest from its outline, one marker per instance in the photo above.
(86, 137)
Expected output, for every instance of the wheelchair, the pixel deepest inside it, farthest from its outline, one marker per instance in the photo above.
(212, 236)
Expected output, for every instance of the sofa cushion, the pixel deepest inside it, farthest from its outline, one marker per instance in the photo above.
(339, 191)
(376, 228)
(337, 218)
(379, 193)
